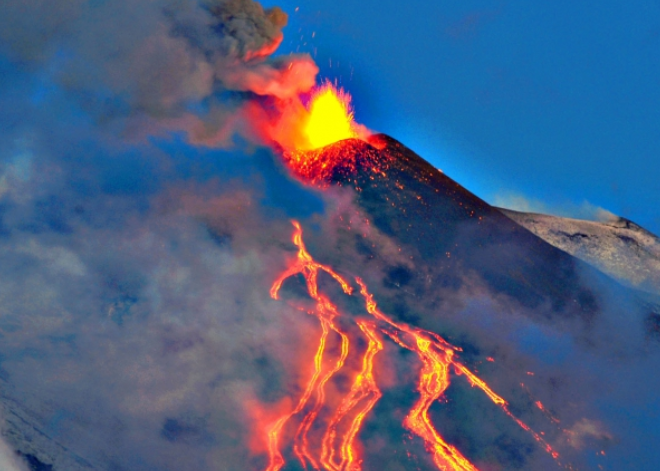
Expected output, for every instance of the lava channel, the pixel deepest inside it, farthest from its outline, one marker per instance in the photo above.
(337, 450)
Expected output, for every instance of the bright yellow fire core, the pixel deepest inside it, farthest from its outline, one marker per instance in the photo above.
(330, 117)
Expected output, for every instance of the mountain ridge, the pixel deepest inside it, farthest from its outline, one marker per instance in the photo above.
(451, 227)
(618, 247)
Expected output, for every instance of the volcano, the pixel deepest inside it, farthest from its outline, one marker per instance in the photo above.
(425, 329)
(210, 264)
(453, 239)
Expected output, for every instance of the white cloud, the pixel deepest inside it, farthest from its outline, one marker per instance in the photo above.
(9, 460)
(583, 210)
(587, 429)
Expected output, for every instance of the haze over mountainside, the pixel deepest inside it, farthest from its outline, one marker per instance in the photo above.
(419, 206)
(208, 265)
(618, 247)
(457, 242)
(206, 359)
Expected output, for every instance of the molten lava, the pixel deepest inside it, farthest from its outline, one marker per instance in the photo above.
(336, 449)
(303, 131)
(327, 118)
(330, 117)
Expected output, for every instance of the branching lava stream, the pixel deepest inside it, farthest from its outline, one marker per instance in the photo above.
(337, 449)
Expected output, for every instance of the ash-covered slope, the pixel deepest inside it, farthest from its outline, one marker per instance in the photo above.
(154, 356)
(618, 247)
(450, 227)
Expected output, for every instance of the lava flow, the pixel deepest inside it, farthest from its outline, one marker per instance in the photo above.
(336, 450)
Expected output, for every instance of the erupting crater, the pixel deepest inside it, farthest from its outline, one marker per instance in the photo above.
(330, 117)
(413, 202)
(306, 133)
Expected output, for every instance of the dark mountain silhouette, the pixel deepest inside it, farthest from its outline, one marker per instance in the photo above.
(453, 230)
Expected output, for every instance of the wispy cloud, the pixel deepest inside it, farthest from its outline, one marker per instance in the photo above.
(583, 210)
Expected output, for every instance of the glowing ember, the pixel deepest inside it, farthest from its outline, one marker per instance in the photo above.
(305, 132)
(336, 450)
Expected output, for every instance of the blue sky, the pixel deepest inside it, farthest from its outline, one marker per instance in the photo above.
(557, 102)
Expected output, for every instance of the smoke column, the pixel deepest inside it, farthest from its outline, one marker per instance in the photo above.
(204, 67)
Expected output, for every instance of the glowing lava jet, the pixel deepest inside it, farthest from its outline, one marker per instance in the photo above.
(330, 117)
(336, 450)
(303, 131)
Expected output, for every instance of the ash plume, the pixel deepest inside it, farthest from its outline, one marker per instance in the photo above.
(103, 105)
(153, 62)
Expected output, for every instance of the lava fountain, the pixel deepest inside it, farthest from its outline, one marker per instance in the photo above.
(330, 117)
(323, 433)
(302, 131)
(337, 450)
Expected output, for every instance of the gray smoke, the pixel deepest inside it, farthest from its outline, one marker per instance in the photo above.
(154, 61)
(9, 460)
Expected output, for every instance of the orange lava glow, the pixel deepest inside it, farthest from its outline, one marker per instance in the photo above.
(330, 117)
(364, 389)
(327, 118)
(336, 448)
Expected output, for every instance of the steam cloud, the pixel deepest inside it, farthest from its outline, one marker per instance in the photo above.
(9, 460)
(136, 329)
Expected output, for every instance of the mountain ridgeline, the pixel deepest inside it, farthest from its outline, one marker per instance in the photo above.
(451, 229)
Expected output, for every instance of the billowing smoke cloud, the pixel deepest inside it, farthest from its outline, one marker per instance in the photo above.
(138, 330)
(139, 307)
(160, 60)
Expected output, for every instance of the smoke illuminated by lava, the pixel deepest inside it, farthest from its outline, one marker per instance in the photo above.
(336, 449)
(330, 117)
(327, 118)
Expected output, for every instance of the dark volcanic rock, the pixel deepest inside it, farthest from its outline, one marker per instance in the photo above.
(450, 227)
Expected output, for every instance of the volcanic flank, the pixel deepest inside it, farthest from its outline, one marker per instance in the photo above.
(457, 239)
(454, 240)
(418, 205)
(337, 450)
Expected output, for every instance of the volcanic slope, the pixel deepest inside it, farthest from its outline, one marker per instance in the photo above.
(619, 247)
(450, 228)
